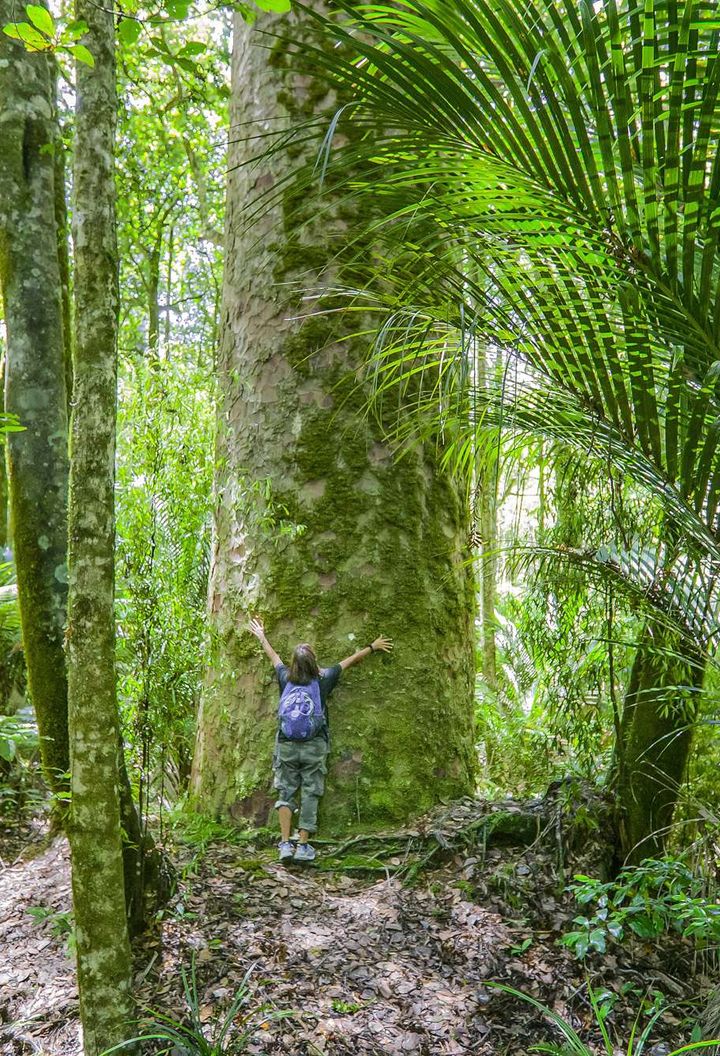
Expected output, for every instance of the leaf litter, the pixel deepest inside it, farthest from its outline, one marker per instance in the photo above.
(368, 964)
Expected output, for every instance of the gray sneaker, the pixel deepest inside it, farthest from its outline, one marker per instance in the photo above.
(304, 853)
(287, 851)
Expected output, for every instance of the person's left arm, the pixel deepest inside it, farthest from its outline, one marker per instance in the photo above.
(380, 645)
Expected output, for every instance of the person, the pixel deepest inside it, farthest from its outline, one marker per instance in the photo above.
(299, 765)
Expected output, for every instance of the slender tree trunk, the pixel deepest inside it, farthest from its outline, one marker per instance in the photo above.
(35, 389)
(153, 293)
(103, 949)
(384, 544)
(487, 524)
(147, 875)
(4, 497)
(659, 712)
(568, 529)
(542, 494)
(168, 288)
(63, 236)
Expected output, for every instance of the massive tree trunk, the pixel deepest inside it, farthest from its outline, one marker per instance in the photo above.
(382, 547)
(660, 707)
(103, 949)
(35, 390)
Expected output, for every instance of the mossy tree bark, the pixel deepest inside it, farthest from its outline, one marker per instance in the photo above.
(103, 949)
(383, 549)
(35, 390)
(660, 707)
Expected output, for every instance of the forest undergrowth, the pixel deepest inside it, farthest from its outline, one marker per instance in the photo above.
(390, 944)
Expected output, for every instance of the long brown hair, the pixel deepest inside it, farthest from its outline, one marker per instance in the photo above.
(303, 666)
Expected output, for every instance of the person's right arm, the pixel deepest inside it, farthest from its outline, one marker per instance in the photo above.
(380, 645)
(256, 628)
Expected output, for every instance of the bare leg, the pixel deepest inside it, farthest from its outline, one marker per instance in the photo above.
(285, 816)
(304, 835)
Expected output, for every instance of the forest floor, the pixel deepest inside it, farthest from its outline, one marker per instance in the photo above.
(368, 957)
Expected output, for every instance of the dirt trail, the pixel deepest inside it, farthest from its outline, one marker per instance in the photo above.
(367, 967)
(38, 991)
(372, 967)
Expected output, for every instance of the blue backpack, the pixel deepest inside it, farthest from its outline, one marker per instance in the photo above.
(300, 712)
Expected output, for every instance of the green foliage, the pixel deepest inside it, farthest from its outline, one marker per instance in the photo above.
(565, 633)
(33, 38)
(18, 736)
(280, 7)
(258, 508)
(573, 1045)
(345, 1008)
(199, 831)
(61, 921)
(41, 18)
(42, 33)
(171, 157)
(649, 900)
(173, 104)
(19, 785)
(62, 924)
(226, 1034)
(164, 479)
(82, 54)
(19, 740)
(129, 30)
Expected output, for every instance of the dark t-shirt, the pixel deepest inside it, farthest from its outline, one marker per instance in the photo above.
(329, 678)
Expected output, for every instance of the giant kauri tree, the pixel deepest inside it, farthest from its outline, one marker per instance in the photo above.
(578, 187)
(318, 527)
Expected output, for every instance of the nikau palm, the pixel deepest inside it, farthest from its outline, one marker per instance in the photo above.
(552, 177)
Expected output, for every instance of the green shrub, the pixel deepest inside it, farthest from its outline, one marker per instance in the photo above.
(649, 900)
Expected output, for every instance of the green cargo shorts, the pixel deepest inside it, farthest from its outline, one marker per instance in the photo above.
(300, 766)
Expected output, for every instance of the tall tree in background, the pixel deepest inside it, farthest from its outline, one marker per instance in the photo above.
(342, 542)
(94, 830)
(35, 382)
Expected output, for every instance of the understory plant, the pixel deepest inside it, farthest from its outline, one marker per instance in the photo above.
(649, 900)
(573, 1045)
(18, 736)
(164, 478)
(194, 1034)
(18, 762)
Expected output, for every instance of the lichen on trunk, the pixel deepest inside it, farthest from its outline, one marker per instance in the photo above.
(35, 380)
(319, 527)
(94, 829)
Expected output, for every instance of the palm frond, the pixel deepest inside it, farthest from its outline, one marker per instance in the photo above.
(550, 174)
